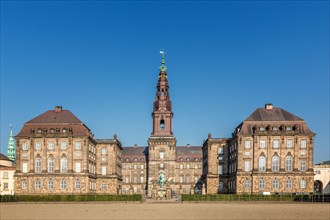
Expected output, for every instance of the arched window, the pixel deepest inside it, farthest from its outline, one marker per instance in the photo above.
(37, 184)
(247, 184)
(288, 183)
(276, 184)
(288, 163)
(77, 184)
(162, 124)
(51, 164)
(262, 184)
(262, 163)
(63, 184)
(50, 184)
(37, 166)
(64, 165)
(275, 163)
(303, 184)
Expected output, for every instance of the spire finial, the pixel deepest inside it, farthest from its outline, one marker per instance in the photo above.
(11, 130)
(162, 67)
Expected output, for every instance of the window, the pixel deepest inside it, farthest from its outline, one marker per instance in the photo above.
(51, 145)
(288, 183)
(135, 179)
(288, 163)
(63, 145)
(247, 184)
(5, 175)
(51, 164)
(220, 169)
(142, 166)
(303, 184)
(288, 128)
(196, 179)
(162, 124)
(135, 166)
(37, 184)
(247, 166)
(303, 143)
(78, 154)
(289, 143)
(275, 128)
(161, 165)
(142, 179)
(104, 186)
(127, 166)
(63, 184)
(303, 166)
(50, 184)
(24, 184)
(38, 145)
(262, 128)
(126, 180)
(188, 179)
(37, 166)
(104, 151)
(161, 155)
(262, 184)
(78, 168)
(276, 143)
(78, 146)
(220, 186)
(181, 166)
(220, 150)
(275, 184)
(275, 163)
(24, 167)
(5, 186)
(77, 184)
(247, 144)
(64, 165)
(262, 163)
(24, 155)
(181, 179)
(24, 146)
(104, 170)
(262, 143)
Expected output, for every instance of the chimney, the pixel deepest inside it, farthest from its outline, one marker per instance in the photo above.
(269, 106)
(188, 145)
(135, 145)
(58, 108)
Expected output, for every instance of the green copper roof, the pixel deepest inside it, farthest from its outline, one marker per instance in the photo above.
(163, 67)
(11, 146)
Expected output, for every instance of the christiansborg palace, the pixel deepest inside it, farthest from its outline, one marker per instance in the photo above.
(271, 151)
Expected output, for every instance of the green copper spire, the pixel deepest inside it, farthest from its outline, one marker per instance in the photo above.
(11, 145)
(163, 68)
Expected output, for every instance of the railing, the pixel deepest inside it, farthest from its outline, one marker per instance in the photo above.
(272, 198)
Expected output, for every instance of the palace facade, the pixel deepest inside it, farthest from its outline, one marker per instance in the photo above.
(270, 151)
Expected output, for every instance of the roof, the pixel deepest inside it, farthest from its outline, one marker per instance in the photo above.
(324, 163)
(57, 119)
(190, 152)
(3, 157)
(104, 141)
(274, 114)
(130, 153)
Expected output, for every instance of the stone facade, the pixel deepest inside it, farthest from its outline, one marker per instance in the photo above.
(7, 170)
(322, 177)
(270, 152)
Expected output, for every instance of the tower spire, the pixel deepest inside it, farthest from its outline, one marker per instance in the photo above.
(162, 114)
(163, 68)
(11, 145)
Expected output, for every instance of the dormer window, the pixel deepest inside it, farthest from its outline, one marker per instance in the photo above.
(39, 130)
(181, 159)
(52, 130)
(288, 128)
(64, 130)
(275, 128)
(262, 128)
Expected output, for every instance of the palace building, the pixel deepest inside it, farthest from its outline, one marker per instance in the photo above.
(270, 151)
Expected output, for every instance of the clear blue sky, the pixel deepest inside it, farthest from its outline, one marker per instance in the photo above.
(100, 60)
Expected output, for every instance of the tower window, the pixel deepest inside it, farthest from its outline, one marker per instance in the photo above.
(162, 124)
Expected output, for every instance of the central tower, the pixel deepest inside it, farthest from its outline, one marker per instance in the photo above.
(162, 114)
(162, 143)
